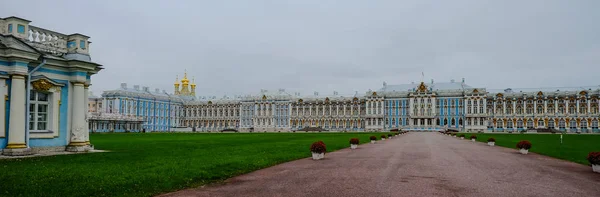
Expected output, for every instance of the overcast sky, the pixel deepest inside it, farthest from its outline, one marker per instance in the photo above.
(240, 47)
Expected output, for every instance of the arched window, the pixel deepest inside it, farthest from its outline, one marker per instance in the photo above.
(561, 124)
(519, 123)
(453, 121)
(573, 124)
(445, 121)
(583, 124)
(460, 121)
(509, 124)
(571, 109)
(530, 124)
(595, 124)
(438, 122)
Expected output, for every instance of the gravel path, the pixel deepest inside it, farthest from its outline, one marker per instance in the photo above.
(415, 164)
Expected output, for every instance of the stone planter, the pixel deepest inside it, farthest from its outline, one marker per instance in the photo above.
(462, 138)
(382, 139)
(389, 137)
(524, 151)
(317, 156)
(353, 146)
(472, 140)
(372, 141)
(596, 168)
(491, 143)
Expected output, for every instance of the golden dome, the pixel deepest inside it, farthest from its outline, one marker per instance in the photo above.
(185, 79)
(177, 80)
(193, 81)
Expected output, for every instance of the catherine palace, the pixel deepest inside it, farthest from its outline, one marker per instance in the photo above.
(424, 106)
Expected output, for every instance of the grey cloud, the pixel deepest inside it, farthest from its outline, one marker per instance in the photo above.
(239, 47)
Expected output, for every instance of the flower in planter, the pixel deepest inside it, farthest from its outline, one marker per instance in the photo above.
(373, 139)
(354, 140)
(382, 137)
(491, 141)
(354, 143)
(462, 136)
(473, 138)
(318, 150)
(389, 135)
(594, 159)
(524, 146)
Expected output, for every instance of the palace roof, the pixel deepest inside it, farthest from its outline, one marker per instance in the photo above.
(546, 91)
(144, 93)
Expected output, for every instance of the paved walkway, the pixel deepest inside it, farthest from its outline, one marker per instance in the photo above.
(415, 164)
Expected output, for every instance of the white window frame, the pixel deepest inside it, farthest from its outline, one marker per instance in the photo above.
(53, 115)
(34, 102)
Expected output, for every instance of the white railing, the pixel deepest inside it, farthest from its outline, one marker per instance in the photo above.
(47, 41)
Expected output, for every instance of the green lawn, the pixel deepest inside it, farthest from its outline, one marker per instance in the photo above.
(149, 164)
(575, 147)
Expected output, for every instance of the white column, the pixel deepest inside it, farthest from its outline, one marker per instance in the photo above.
(87, 126)
(78, 134)
(3, 94)
(16, 127)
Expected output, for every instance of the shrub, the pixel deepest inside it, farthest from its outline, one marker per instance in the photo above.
(382, 136)
(318, 147)
(473, 137)
(354, 141)
(594, 158)
(373, 137)
(462, 135)
(491, 139)
(524, 145)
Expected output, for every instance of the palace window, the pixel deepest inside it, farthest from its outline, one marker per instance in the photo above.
(10, 27)
(582, 109)
(481, 121)
(530, 124)
(38, 111)
(509, 124)
(529, 110)
(583, 124)
(519, 124)
(437, 122)
(21, 29)
(595, 124)
(551, 124)
(573, 124)
(540, 123)
(561, 124)
(571, 109)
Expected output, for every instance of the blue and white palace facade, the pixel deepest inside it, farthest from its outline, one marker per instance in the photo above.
(140, 109)
(44, 78)
(421, 106)
(415, 106)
